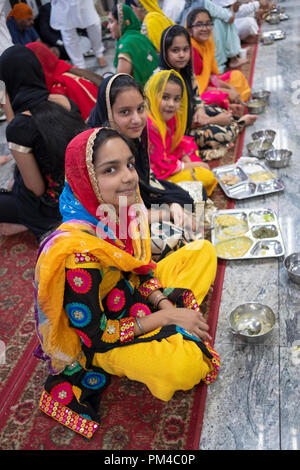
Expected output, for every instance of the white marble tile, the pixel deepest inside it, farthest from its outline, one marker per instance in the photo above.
(254, 404)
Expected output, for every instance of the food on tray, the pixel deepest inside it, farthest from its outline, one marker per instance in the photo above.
(234, 247)
(258, 218)
(226, 220)
(261, 176)
(265, 232)
(230, 180)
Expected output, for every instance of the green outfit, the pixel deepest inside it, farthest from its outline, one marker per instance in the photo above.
(134, 44)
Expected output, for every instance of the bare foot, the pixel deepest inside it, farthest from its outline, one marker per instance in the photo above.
(237, 62)
(102, 61)
(249, 119)
(11, 229)
(4, 159)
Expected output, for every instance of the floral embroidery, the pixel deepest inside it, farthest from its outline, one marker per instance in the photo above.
(62, 393)
(72, 368)
(79, 314)
(93, 380)
(85, 339)
(80, 280)
(139, 310)
(115, 300)
(112, 332)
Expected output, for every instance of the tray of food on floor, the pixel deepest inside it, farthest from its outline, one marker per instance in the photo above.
(246, 234)
(247, 178)
(276, 34)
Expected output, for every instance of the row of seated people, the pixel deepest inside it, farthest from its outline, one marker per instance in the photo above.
(107, 193)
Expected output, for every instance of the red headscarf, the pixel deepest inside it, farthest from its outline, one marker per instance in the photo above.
(80, 175)
(52, 66)
(59, 82)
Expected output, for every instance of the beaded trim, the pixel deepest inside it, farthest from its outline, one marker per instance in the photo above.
(126, 329)
(85, 258)
(215, 362)
(72, 420)
(147, 287)
(90, 166)
(107, 97)
(190, 301)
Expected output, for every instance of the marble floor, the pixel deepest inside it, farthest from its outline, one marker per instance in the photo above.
(254, 404)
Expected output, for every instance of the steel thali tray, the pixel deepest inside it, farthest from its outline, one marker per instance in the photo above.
(257, 234)
(276, 34)
(246, 186)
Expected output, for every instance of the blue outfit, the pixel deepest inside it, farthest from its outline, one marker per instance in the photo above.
(21, 37)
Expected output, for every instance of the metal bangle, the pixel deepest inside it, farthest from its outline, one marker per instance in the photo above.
(163, 298)
(139, 325)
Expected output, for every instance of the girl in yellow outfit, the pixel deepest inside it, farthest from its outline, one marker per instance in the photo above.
(102, 306)
(173, 155)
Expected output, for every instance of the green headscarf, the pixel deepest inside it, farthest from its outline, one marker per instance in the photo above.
(133, 43)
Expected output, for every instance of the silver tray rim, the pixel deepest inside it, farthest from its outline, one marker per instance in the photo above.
(248, 234)
(248, 180)
(275, 34)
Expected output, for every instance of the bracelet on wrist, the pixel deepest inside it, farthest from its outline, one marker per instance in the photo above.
(160, 300)
(139, 325)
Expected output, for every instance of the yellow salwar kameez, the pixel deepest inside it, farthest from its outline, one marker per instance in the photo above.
(170, 364)
(91, 288)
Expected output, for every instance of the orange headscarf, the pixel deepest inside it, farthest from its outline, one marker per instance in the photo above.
(21, 11)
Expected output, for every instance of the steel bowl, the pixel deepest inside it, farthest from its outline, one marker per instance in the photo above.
(267, 134)
(273, 18)
(292, 265)
(278, 158)
(256, 106)
(258, 148)
(261, 94)
(243, 317)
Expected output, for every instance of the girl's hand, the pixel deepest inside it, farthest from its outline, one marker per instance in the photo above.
(177, 214)
(200, 118)
(190, 320)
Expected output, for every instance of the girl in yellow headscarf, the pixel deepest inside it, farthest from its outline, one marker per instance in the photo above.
(153, 20)
(173, 155)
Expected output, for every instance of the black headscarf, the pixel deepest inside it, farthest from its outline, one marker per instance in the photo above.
(153, 191)
(24, 78)
(187, 72)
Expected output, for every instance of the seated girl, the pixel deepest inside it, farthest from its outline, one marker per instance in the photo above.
(135, 53)
(212, 126)
(102, 306)
(79, 85)
(121, 104)
(173, 155)
(230, 89)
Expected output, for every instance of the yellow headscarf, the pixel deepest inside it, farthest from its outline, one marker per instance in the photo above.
(154, 90)
(153, 26)
(150, 5)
